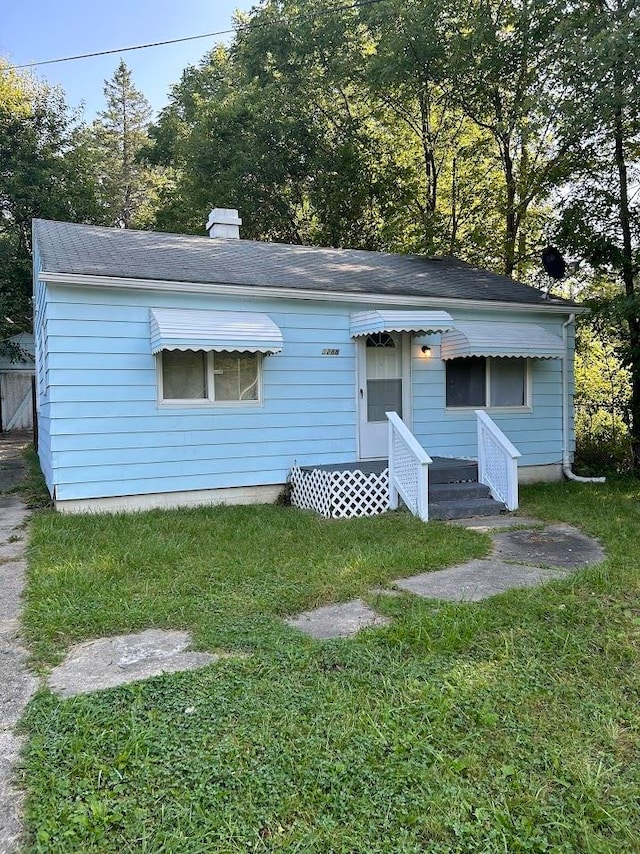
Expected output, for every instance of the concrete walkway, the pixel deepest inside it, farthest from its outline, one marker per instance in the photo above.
(528, 555)
(16, 683)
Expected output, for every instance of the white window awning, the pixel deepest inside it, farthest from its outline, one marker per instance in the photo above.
(178, 329)
(520, 340)
(369, 322)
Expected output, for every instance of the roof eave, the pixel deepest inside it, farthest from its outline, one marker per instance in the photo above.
(86, 280)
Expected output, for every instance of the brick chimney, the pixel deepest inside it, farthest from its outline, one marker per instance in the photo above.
(224, 222)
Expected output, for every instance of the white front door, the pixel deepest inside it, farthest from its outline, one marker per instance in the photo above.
(383, 386)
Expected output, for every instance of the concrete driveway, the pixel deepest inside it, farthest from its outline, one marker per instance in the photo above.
(17, 684)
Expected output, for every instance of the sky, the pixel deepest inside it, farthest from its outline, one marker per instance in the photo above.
(49, 29)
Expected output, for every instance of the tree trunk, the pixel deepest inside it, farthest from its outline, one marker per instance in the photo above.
(454, 206)
(511, 226)
(629, 285)
(430, 173)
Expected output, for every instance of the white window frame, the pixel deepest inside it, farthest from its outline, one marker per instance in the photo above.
(487, 407)
(210, 372)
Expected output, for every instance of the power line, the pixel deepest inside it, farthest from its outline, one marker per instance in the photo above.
(240, 27)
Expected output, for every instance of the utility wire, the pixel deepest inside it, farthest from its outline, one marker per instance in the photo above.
(239, 28)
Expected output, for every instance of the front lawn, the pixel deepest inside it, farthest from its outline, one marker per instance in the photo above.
(225, 573)
(510, 725)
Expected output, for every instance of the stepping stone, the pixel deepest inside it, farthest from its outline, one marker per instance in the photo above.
(109, 662)
(492, 523)
(556, 545)
(476, 580)
(337, 621)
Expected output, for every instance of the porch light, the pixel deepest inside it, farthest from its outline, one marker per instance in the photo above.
(426, 350)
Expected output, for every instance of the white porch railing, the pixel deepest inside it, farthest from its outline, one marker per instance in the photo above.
(497, 461)
(408, 469)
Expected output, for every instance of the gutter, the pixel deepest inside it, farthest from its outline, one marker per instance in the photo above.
(84, 280)
(566, 461)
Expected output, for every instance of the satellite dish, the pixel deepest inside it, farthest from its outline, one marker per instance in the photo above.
(553, 263)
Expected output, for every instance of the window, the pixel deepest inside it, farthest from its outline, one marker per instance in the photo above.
(196, 375)
(384, 375)
(508, 382)
(479, 381)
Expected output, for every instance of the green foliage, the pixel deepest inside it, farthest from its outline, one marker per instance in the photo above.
(33, 488)
(600, 216)
(43, 173)
(602, 399)
(505, 725)
(127, 188)
(478, 75)
(302, 161)
(603, 444)
(327, 129)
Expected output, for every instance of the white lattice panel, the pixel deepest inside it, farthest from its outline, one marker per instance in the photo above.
(356, 494)
(497, 461)
(310, 490)
(496, 466)
(340, 494)
(406, 469)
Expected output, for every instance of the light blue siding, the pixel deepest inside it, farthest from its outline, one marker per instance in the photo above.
(111, 437)
(103, 432)
(537, 433)
(42, 360)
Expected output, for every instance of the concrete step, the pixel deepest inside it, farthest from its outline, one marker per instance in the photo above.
(454, 471)
(457, 491)
(465, 509)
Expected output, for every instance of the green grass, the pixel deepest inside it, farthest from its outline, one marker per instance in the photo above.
(33, 489)
(510, 725)
(226, 573)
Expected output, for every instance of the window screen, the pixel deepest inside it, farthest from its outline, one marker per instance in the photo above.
(196, 375)
(384, 375)
(183, 375)
(236, 376)
(508, 382)
(466, 382)
(383, 396)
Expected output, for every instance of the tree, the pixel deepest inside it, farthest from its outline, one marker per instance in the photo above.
(127, 187)
(410, 126)
(450, 184)
(44, 172)
(504, 59)
(233, 145)
(600, 216)
(356, 173)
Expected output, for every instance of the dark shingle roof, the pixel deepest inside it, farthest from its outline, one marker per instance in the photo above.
(118, 253)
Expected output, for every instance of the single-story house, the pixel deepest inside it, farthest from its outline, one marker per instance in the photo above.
(175, 369)
(16, 376)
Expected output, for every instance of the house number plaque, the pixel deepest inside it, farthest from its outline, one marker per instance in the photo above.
(329, 351)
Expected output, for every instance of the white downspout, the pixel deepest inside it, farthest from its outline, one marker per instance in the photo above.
(566, 462)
